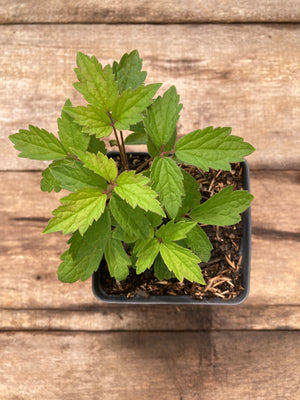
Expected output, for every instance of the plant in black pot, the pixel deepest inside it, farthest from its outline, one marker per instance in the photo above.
(143, 224)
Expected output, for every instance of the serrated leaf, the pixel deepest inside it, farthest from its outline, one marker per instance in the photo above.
(96, 145)
(74, 176)
(161, 270)
(212, 148)
(223, 208)
(48, 182)
(128, 108)
(138, 127)
(192, 195)
(136, 138)
(117, 259)
(85, 252)
(96, 84)
(128, 71)
(162, 117)
(78, 211)
(70, 133)
(155, 150)
(182, 262)
(199, 243)
(38, 144)
(120, 234)
(132, 221)
(174, 231)
(168, 183)
(93, 120)
(154, 219)
(146, 255)
(100, 164)
(134, 190)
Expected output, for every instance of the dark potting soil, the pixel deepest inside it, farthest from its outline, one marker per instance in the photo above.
(221, 273)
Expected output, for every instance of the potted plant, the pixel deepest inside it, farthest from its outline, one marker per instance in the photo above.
(143, 214)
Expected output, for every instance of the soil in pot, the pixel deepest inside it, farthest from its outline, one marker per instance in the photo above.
(222, 273)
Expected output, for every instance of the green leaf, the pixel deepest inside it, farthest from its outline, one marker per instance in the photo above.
(161, 270)
(70, 133)
(134, 190)
(96, 84)
(38, 144)
(146, 255)
(155, 150)
(162, 117)
(85, 252)
(78, 211)
(198, 241)
(136, 138)
(192, 194)
(154, 219)
(117, 259)
(93, 120)
(120, 234)
(132, 221)
(212, 148)
(128, 108)
(182, 262)
(100, 164)
(138, 127)
(96, 145)
(223, 208)
(128, 71)
(168, 183)
(74, 176)
(175, 231)
(48, 182)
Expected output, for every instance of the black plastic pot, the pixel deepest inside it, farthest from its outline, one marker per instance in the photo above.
(245, 252)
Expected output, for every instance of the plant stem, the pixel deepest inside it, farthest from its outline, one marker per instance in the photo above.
(124, 152)
(119, 146)
(144, 164)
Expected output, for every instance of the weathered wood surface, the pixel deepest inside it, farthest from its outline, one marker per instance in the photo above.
(148, 365)
(29, 261)
(143, 11)
(244, 76)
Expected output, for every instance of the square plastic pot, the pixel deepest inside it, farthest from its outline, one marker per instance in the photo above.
(245, 252)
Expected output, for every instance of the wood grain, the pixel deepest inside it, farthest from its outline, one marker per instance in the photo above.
(142, 11)
(145, 365)
(244, 76)
(29, 259)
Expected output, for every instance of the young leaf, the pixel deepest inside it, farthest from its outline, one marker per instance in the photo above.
(134, 190)
(128, 71)
(182, 262)
(48, 182)
(38, 144)
(167, 182)
(198, 242)
(162, 117)
(132, 221)
(100, 164)
(175, 231)
(85, 252)
(146, 255)
(212, 148)
(161, 270)
(78, 211)
(94, 121)
(136, 138)
(192, 194)
(70, 133)
(96, 145)
(96, 84)
(74, 176)
(117, 259)
(223, 208)
(128, 107)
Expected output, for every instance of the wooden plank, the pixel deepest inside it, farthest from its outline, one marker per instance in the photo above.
(29, 259)
(244, 76)
(144, 365)
(142, 11)
(155, 318)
